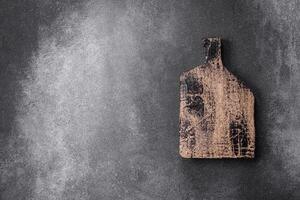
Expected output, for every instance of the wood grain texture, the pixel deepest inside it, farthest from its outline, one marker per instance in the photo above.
(216, 111)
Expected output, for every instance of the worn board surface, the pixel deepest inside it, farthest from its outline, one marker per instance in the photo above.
(216, 111)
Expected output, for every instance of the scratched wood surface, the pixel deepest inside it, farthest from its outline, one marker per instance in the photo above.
(216, 111)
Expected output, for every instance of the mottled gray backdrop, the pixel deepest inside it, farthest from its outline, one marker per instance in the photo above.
(89, 98)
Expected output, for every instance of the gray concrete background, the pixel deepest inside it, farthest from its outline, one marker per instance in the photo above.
(90, 98)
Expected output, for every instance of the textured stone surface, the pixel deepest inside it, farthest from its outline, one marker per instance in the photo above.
(89, 98)
(216, 110)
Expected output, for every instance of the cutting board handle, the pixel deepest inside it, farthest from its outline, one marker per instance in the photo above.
(213, 50)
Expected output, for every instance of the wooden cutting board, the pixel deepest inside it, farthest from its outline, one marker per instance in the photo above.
(216, 110)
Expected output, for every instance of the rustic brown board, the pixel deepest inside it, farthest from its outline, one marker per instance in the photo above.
(216, 111)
